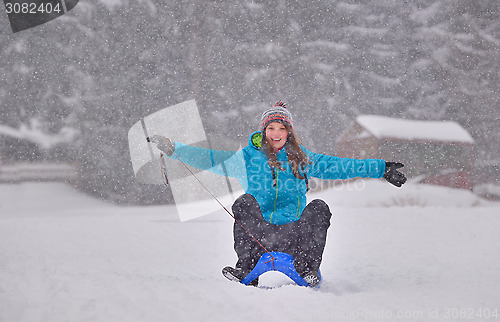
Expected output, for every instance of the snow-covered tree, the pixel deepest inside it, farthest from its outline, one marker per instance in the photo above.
(79, 82)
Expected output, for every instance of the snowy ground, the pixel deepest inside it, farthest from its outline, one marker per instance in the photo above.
(419, 253)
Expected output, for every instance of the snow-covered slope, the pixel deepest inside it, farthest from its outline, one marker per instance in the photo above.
(418, 253)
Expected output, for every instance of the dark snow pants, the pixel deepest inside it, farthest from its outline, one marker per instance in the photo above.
(304, 239)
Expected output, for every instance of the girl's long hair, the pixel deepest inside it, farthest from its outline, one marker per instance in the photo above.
(296, 157)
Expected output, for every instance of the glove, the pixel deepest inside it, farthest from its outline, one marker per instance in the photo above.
(164, 144)
(394, 176)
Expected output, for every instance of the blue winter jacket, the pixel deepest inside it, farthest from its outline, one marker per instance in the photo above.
(284, 202)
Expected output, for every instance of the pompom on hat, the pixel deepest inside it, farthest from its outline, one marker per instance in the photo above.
(277, 113)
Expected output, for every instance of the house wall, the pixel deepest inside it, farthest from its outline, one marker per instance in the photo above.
(438, 163)
(357, 143)
(453, 179)
(428, 157)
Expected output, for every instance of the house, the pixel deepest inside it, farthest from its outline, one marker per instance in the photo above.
(434, 152)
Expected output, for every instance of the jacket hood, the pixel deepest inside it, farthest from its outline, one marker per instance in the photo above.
(255, 140)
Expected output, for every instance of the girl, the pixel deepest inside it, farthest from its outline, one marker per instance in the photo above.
(274, 170)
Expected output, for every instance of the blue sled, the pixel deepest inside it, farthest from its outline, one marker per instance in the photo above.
(282, 263)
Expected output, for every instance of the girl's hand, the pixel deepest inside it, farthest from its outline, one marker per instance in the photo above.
(392, 175)
(164, 144)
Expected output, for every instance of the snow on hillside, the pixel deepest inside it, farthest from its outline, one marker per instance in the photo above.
(418, 253)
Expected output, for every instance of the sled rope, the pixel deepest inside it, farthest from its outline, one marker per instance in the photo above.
(220, 203)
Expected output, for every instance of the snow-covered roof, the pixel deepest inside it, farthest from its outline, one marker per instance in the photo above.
(34, 133)
(387, 127)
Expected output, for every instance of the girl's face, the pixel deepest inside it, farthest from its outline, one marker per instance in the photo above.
(276, 135)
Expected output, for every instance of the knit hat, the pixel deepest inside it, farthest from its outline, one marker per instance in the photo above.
(277, 113)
